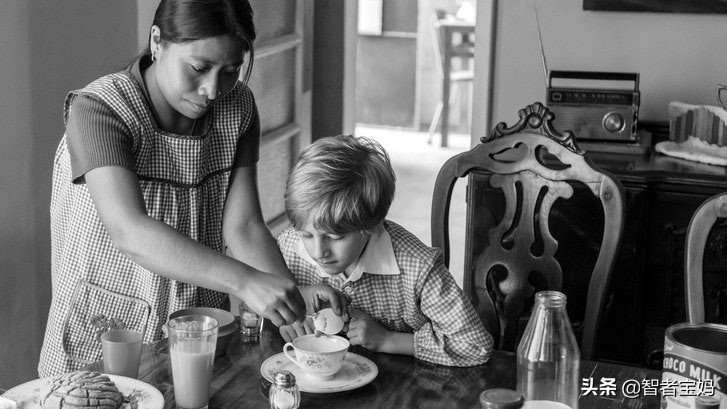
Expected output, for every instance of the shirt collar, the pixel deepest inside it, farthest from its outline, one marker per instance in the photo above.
(377, 258)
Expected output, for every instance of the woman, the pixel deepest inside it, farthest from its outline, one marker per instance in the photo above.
(154, 180)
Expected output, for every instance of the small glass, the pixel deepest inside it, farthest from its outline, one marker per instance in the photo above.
(192, 341)
(722, 95)
(250, 323)
(121, 352)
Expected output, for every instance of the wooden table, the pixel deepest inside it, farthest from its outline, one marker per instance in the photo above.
(402, 382)
(447, 28)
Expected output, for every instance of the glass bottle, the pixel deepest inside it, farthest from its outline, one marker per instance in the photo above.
(548, 358)
(284, 393)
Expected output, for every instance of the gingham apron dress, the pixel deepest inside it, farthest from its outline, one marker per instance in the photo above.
(184, 183)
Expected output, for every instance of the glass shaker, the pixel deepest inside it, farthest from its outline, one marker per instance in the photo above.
(548, 358)
(284, 393)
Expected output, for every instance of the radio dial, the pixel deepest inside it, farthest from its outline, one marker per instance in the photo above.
(614, 122)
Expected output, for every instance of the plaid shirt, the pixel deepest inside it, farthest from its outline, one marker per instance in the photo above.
(183, 180)
(404, 285)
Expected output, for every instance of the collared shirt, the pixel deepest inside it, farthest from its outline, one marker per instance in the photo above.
(422, 298)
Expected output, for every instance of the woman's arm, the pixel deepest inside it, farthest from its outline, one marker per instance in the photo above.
(247, 237)
(162, 249)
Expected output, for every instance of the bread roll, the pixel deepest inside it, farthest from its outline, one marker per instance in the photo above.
(82, 389)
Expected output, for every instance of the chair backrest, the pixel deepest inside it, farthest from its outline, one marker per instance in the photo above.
(695, 243)
(437, 40)
(510, 251)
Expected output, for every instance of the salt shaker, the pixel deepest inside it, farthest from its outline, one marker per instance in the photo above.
(284, 393)
(548, 358)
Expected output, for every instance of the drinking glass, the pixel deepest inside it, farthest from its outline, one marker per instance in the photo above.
(192, 340)
(250, 322)
(121, 352)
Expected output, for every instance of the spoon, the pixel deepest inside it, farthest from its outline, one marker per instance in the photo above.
(327, 322)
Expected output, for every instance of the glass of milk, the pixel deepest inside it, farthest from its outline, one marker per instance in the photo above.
(192, 340)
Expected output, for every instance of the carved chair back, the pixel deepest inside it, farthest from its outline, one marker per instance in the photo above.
(698, 232)
(510, 251)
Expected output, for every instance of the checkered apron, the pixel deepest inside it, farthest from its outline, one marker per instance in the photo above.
(184, 182)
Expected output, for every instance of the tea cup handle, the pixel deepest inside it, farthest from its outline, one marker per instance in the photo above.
(287, 353)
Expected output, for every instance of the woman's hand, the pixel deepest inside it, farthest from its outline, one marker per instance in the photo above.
(297, 329)
(320, 296)
(274, 297)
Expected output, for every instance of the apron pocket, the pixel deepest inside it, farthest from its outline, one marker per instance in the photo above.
(90, 305)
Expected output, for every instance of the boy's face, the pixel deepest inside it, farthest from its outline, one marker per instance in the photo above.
(333, 252)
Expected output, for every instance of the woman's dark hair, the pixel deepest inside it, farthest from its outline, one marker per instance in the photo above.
(182, 21)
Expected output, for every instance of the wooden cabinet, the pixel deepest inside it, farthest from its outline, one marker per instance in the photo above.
(647, 288)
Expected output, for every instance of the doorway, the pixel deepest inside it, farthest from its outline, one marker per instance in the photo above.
(397, 91)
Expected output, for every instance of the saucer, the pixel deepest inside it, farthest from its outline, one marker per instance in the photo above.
(355, 372)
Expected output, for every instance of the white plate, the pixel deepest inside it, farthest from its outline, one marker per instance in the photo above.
(137, 394)
(356, 372)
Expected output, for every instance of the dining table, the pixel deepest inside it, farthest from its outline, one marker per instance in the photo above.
(401, 381)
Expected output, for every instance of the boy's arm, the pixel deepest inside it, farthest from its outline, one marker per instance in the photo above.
(454, 334)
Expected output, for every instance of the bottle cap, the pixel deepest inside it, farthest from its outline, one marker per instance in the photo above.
(284, 378)
(500, 398)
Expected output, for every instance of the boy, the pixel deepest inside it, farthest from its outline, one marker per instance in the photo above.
(403, 298)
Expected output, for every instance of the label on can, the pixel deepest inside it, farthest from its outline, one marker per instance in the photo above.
(694, 377)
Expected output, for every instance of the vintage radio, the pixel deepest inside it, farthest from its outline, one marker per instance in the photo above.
(594, 105)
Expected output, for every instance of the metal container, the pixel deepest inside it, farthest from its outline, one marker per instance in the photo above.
(694, 374)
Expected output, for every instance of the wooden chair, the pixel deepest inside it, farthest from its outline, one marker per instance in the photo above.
(458, 79)
(698, 231)
(516, 177)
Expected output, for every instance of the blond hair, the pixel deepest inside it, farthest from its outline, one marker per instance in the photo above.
(342, 184)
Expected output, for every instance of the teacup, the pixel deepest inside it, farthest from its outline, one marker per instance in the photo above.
(318, 357)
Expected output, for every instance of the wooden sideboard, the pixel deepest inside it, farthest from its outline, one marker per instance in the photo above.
(647, 288)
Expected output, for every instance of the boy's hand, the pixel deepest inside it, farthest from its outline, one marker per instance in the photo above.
(320, 296)
(297, 329)
(365, 331)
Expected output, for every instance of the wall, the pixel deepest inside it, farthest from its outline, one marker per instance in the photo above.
(48, 48)
(334, 72)
(679, 56)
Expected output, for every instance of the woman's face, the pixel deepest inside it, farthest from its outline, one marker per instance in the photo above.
(191, 76)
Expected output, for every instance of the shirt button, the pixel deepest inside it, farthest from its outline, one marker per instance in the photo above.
(348, 289)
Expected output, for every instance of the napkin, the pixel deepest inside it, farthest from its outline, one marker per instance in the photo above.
(694, 149)
(6, 403)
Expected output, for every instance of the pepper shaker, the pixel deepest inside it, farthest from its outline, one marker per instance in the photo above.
(284, 393)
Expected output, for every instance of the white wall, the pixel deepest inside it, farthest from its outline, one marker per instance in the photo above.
(679, 56)
(48, 48)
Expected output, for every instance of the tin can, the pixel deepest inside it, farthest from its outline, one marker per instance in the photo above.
(694, 371)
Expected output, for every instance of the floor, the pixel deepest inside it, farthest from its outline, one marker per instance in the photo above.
(416, 163)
